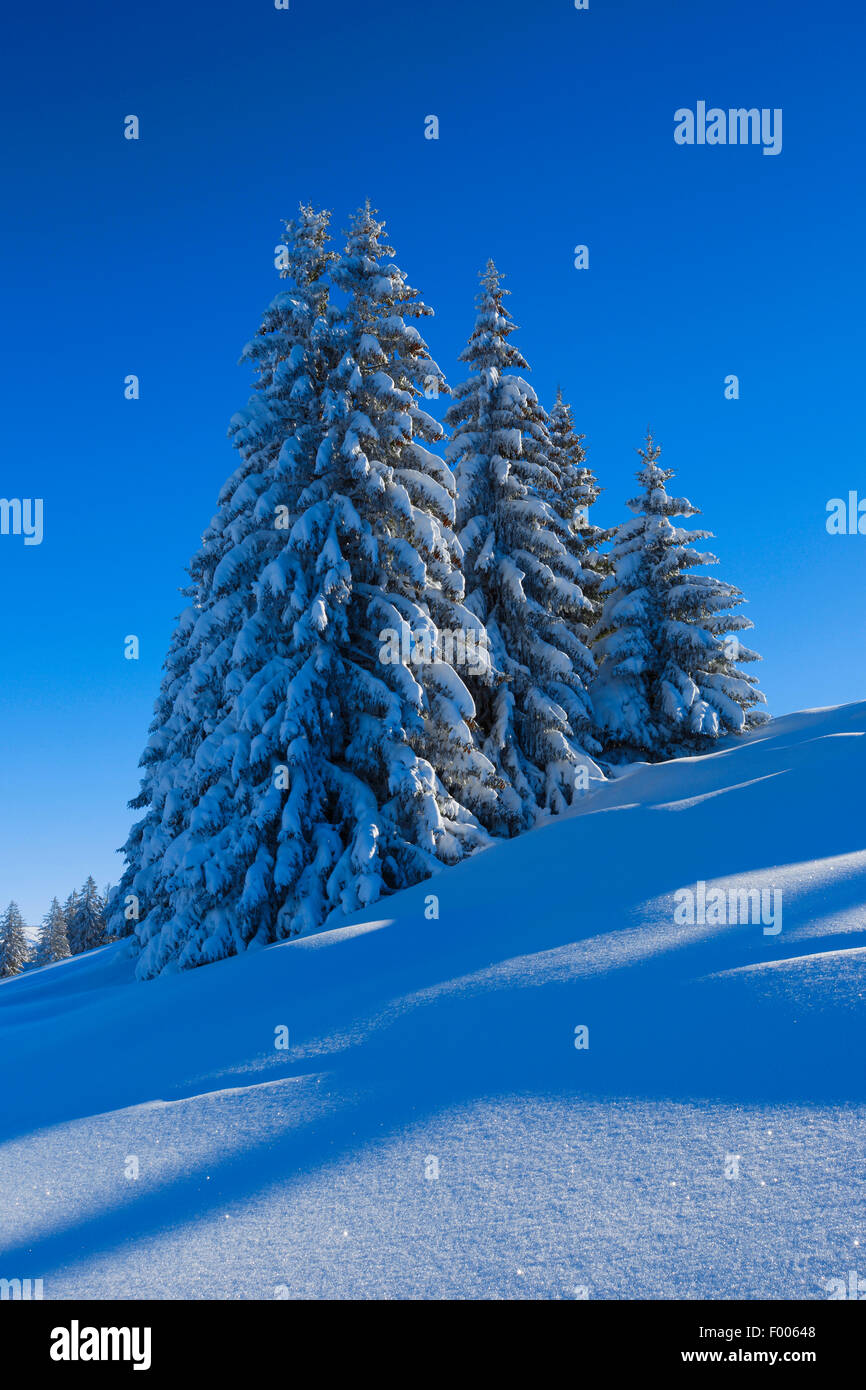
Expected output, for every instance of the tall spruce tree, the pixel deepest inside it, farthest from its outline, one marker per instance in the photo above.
(53, 940)
(518, 494)
(668, 681)
(14, 950)
(184, 858)
(288, 776)
(383, 778)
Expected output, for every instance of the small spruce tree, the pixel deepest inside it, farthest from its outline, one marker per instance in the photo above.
(70, 909)
(53, 942)
(668, 681)
(14, 949)
(89, 918)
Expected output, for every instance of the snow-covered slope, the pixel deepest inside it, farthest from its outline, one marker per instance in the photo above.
(432, 1130)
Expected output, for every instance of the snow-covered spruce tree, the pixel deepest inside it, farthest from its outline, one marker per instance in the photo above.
(382, 780)
(70, 908)
(286, 775)
(14, 950)
(579, 491)
(87, 928)
(517, 498)
(185, 857)
(53, 940)
(668, 681)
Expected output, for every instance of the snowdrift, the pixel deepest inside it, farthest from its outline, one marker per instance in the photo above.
(434, 1127)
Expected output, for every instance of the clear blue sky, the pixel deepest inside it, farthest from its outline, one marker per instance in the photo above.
(556, 128)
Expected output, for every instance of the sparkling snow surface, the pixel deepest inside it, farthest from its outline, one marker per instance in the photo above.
(432, 1131)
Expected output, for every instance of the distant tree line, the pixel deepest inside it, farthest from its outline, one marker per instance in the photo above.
(68, 929)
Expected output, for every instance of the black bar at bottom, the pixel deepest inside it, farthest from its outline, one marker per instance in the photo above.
(65, 1339)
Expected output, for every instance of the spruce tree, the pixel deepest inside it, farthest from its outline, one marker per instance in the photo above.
(383, 778)
(53, 941)
(14, 950)
(288, 776)
(579, 492)
(518, 495)
(89, 919)
(668, 682)
(185, 856)
(70, 911)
